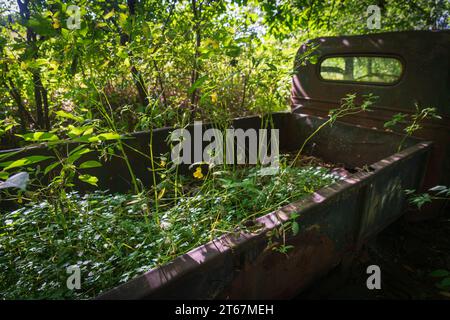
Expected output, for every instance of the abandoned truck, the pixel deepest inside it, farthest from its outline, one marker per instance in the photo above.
(406, 71)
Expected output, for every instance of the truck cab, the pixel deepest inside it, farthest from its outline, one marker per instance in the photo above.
(406, 71)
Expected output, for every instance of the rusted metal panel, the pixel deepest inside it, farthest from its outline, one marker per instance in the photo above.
(342, 143)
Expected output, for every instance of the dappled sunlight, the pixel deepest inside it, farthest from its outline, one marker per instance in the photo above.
(317, 198)
(211, 149)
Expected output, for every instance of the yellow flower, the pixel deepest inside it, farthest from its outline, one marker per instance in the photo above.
(198, 173)
(214, 97)
(56, 24)
(163, 163)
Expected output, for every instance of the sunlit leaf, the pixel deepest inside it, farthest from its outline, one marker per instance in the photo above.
(104, 136)
(108, 15)
(63, 114)
(39, 136)
(161, 193)
(88, 179)
(90, 164)
(23, 162)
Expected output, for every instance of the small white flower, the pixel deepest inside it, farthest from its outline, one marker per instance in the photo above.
(165, 225)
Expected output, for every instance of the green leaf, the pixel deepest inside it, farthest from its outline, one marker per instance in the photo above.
(23, 162)
(397, 118)
(421, 199)
(108, 15)
(83, 31)
(295, 215)
(4, 175)
(445, 283)
(123, 19)
(88, 131)
(232, 51)
(105, 136)
(440, 273)
(75, 154)
(63, 114)
(39, 136)
(51, 167)
(438, 188)
(42, 26)
(65, 33)
(6, 155)
(109, 136)
(90, 164)
(197, 84)
(88, 179)
(272, 67)
(441, 190)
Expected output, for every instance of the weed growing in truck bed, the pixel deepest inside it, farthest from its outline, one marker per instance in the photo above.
(114, 237)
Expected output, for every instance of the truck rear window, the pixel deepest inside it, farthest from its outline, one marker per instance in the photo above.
(361, 69)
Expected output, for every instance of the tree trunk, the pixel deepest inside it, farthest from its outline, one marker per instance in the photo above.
(196, 9)
(40, 93)
(38, 101)
(135, 73)
(24, 116)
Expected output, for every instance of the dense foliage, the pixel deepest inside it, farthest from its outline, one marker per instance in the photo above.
(153, 62)
(89, 70)
(116, 237)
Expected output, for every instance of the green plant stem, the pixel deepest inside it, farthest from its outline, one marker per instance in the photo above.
(155, 189)
(309, 138)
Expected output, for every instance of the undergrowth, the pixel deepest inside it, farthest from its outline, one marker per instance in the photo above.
(115, 237)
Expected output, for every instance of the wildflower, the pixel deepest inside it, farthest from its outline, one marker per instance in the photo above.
(56, 24)
(198, 173)
(214, 97)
